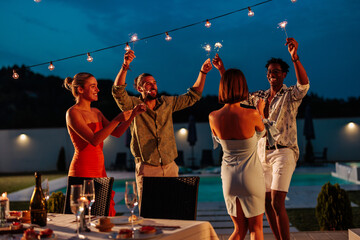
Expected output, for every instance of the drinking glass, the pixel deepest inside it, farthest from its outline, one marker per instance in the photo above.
(89, 193)
(77, 206)
(46, 191)
(131, 199)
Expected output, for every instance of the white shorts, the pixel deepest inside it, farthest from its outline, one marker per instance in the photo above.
(278, 169)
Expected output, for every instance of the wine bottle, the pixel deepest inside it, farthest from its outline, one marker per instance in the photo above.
(38, 207)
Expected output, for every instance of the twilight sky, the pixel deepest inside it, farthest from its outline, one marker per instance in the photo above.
(328, 32)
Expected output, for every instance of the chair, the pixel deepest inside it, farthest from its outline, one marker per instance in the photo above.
(170, 197)
(103, 189)
(206, 158)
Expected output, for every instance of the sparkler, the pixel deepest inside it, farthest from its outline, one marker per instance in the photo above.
(134, 38)
(283, 26)
(217, 46)
(207, 48)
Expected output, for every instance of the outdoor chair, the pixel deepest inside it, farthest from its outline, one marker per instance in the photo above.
(103, 189)
(170, 197)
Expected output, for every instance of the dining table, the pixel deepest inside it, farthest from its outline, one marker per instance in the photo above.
(64, 227)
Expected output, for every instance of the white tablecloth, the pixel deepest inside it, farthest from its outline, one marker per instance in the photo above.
(64, 227)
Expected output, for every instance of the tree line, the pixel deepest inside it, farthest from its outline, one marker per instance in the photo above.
(36, 101)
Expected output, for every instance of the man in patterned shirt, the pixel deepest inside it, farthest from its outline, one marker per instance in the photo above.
(153, 142)
(279, 161)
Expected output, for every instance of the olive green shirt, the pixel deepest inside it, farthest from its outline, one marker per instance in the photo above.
(152, 132)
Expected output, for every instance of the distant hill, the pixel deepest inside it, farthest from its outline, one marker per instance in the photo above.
(36, 101)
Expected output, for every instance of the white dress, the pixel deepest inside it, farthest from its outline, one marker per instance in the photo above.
(242, 175)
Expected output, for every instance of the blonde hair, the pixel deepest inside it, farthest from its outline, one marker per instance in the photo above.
(72, 84)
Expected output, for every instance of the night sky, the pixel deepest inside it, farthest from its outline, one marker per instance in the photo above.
(328, 32)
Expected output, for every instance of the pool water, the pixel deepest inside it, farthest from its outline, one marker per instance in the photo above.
(210, 187)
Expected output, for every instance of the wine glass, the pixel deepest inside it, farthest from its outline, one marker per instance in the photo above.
(77, 206)
(89, 194)
(131, 199)
(46, 191)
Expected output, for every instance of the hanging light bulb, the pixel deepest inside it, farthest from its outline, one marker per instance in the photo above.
(293, 1)
(89, 58)
(250, 13)
(127, 47)
(208, 24)
(168, 37)
(15, 74)
(51, 66)
(37, 1)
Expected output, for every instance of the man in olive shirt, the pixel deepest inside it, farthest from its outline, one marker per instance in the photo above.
(153, 142)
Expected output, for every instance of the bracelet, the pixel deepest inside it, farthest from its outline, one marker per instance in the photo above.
(125, 67)
(203, 72)
(295, 60)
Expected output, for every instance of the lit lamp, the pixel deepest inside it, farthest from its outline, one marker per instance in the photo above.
(15, 74)
(51, 66)
(89, 58)
(127, 47)
(250, 13)
(168, 37)
(207, 24)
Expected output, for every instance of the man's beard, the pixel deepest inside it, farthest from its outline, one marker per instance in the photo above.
(148, 96)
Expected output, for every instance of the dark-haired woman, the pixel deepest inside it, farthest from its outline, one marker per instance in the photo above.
(88, 128)
(238, 128)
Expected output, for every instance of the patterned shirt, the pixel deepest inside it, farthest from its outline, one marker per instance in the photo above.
(152, 132)
(283, 110)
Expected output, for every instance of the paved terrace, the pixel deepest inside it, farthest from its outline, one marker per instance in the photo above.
(215, 212)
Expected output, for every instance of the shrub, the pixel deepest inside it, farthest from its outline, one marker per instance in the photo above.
(333, 210)
(56, 202)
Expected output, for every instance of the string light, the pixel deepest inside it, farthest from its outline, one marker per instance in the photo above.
(37, 1)
(127, 47)
(207, 24)
(15, 74)
(135, 38)
(293, 1)
(168, 37)
(250, 13)
(51, 66)
(89, 58)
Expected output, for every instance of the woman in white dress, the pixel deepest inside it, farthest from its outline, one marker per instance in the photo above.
(238, 128)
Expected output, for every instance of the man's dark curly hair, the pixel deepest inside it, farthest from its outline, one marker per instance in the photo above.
(284, 66)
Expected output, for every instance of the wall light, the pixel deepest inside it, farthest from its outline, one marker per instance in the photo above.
(182, 131)
(23, 139)
(352, 128)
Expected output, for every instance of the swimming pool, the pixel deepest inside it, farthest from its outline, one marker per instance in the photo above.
(210, 188)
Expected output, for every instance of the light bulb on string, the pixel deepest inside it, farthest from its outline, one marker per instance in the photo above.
(168, 37)
(127, 47)
(89, 58)
(250, 13)
(51, 66)
(208, 24)
(37, 1)
(293, 1)
(15, 74)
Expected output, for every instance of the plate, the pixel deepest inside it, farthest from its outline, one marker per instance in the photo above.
(124, 220)
(139, 236)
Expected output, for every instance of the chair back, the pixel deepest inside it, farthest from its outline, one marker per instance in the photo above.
(170, 197)
(103, 189)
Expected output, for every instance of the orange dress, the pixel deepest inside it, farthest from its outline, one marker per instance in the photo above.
(88, 160)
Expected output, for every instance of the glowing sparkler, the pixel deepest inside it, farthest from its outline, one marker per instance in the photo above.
(207, 48)
(134, 38)
(283, 26)
(217, 46)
